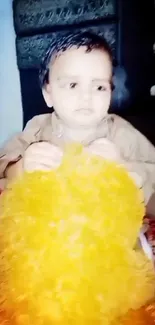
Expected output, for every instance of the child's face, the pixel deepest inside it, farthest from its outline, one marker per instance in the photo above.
(79, 86)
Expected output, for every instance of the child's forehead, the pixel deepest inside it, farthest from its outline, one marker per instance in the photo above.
(66, 53)
(76, 51)
(74, 56)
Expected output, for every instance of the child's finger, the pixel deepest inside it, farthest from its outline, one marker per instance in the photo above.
(42, 167)
(137, 179)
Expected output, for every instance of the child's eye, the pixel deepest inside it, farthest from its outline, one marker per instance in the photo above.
(72, 85)
(101, 88)
(68, 85)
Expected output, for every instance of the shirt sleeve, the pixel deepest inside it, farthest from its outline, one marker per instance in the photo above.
(15, 148)
(137, 152)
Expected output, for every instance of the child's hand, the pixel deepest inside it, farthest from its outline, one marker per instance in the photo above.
(137, 179)
(105, 149)
(42, 156)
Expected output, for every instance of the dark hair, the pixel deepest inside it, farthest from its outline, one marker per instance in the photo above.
(66, 41)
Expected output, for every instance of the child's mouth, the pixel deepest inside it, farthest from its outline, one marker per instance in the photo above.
(84, 111)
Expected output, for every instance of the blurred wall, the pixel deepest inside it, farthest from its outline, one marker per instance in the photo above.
(11, 116)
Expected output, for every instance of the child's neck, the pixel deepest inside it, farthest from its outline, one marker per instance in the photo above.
(79, 135)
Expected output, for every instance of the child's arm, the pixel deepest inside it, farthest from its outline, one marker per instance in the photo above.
(137, 151)
(11, 155)
(13, 170)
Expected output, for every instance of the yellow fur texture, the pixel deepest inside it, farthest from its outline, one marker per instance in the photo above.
(67, 242)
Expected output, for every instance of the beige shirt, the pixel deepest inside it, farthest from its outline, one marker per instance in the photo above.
(135, 149)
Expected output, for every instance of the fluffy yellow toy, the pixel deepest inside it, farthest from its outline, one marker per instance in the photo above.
(67, 241)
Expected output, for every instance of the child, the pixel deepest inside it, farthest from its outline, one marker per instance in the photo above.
(76, 79)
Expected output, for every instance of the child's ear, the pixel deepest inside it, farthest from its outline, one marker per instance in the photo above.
(46, 91)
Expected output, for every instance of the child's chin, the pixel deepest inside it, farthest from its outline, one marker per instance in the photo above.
(85, 118)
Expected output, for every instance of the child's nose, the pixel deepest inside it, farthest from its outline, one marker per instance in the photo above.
(85, 99)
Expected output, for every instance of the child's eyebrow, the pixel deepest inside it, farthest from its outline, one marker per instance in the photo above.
(67, 77)
(102, 80)
(76, 77)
